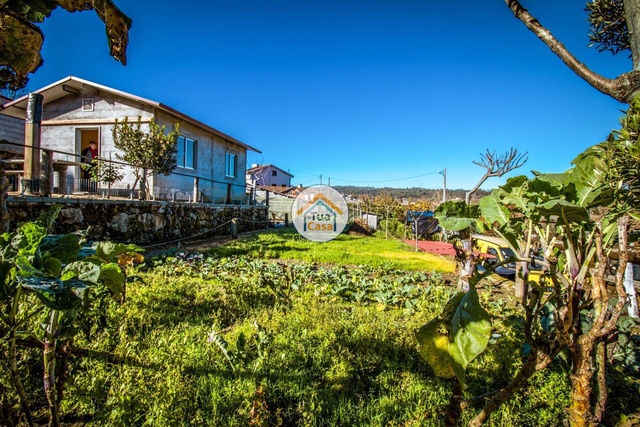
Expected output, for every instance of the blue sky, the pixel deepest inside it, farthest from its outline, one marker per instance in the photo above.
(362, 92)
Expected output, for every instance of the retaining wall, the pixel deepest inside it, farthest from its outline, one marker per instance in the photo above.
(130, 221)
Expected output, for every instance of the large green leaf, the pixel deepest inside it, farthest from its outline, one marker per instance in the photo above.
(493, 210)
(48, 217)
(458, 216)
(588, 179)
(63, 247)
(28, 238)
(110, 250)
(112, 277)
(433, 340)
(453, 339)
(471, 330)
(83, 271)
(566, 212)
(26, 268)
(54, 293)
(51, 266)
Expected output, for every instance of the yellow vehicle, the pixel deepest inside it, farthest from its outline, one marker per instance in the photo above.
(495, 250)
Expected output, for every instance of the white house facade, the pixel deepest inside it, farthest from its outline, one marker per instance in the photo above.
(268, 176)
(77, 111)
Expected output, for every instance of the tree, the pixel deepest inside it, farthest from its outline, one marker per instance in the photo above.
(615, 27)
(21, 40)
(497, 166)
(105, 172)
(152, 152)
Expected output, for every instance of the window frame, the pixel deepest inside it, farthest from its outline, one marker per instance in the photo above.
(182, 153)
(230, 162)
(87, 105)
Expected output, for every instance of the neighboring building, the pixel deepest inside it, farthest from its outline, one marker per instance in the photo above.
(268, 176)
(76, 111)
(11, 130)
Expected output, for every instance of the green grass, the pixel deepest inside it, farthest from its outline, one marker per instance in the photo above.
(344, 250)
(307, 345)
(238, 339)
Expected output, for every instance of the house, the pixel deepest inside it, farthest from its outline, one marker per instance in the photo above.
(268, 176)
(77, 111)
(11, 130)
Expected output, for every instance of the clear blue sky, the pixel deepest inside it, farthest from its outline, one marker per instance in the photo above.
(362, 92)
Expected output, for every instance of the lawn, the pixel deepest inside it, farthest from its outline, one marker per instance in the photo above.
(344, 250)
(274, 330)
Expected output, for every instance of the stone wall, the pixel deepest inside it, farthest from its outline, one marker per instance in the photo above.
(143, 223)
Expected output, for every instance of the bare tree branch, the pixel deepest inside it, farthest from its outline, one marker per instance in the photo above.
(497, 165)
(621, 88)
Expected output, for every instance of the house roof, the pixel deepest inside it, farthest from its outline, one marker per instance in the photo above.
(74, 85)
(262, 167)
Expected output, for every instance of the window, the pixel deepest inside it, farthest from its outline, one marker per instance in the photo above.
(231, 165)
(186, 155)
(274, 173)
(87, 104)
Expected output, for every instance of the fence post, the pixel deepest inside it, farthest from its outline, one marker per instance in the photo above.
(32, 134)
(234, 228)
(286, 219)
(196, 182)
(47, 173)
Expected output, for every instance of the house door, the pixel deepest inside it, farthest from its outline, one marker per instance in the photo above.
(84, 136)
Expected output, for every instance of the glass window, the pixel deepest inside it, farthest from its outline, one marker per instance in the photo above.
(186, 155)
(231, 165)
(274, 173)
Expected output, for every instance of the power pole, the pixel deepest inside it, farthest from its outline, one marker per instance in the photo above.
(444, 187)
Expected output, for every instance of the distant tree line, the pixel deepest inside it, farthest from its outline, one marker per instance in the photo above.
(413, 193)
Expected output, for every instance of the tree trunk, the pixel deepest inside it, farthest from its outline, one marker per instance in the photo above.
(622, 88)
(467, 261)
(630, 289)
(580, 410)
(632, 15)
(522, 286)
(601, 361)
(143, 185)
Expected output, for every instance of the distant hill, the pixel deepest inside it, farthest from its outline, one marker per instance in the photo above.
(407, 193)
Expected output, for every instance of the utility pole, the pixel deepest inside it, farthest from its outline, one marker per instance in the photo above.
(444, 187)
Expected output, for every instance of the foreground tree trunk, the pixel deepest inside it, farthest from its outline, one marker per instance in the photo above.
(580, 409)
(624, 87)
